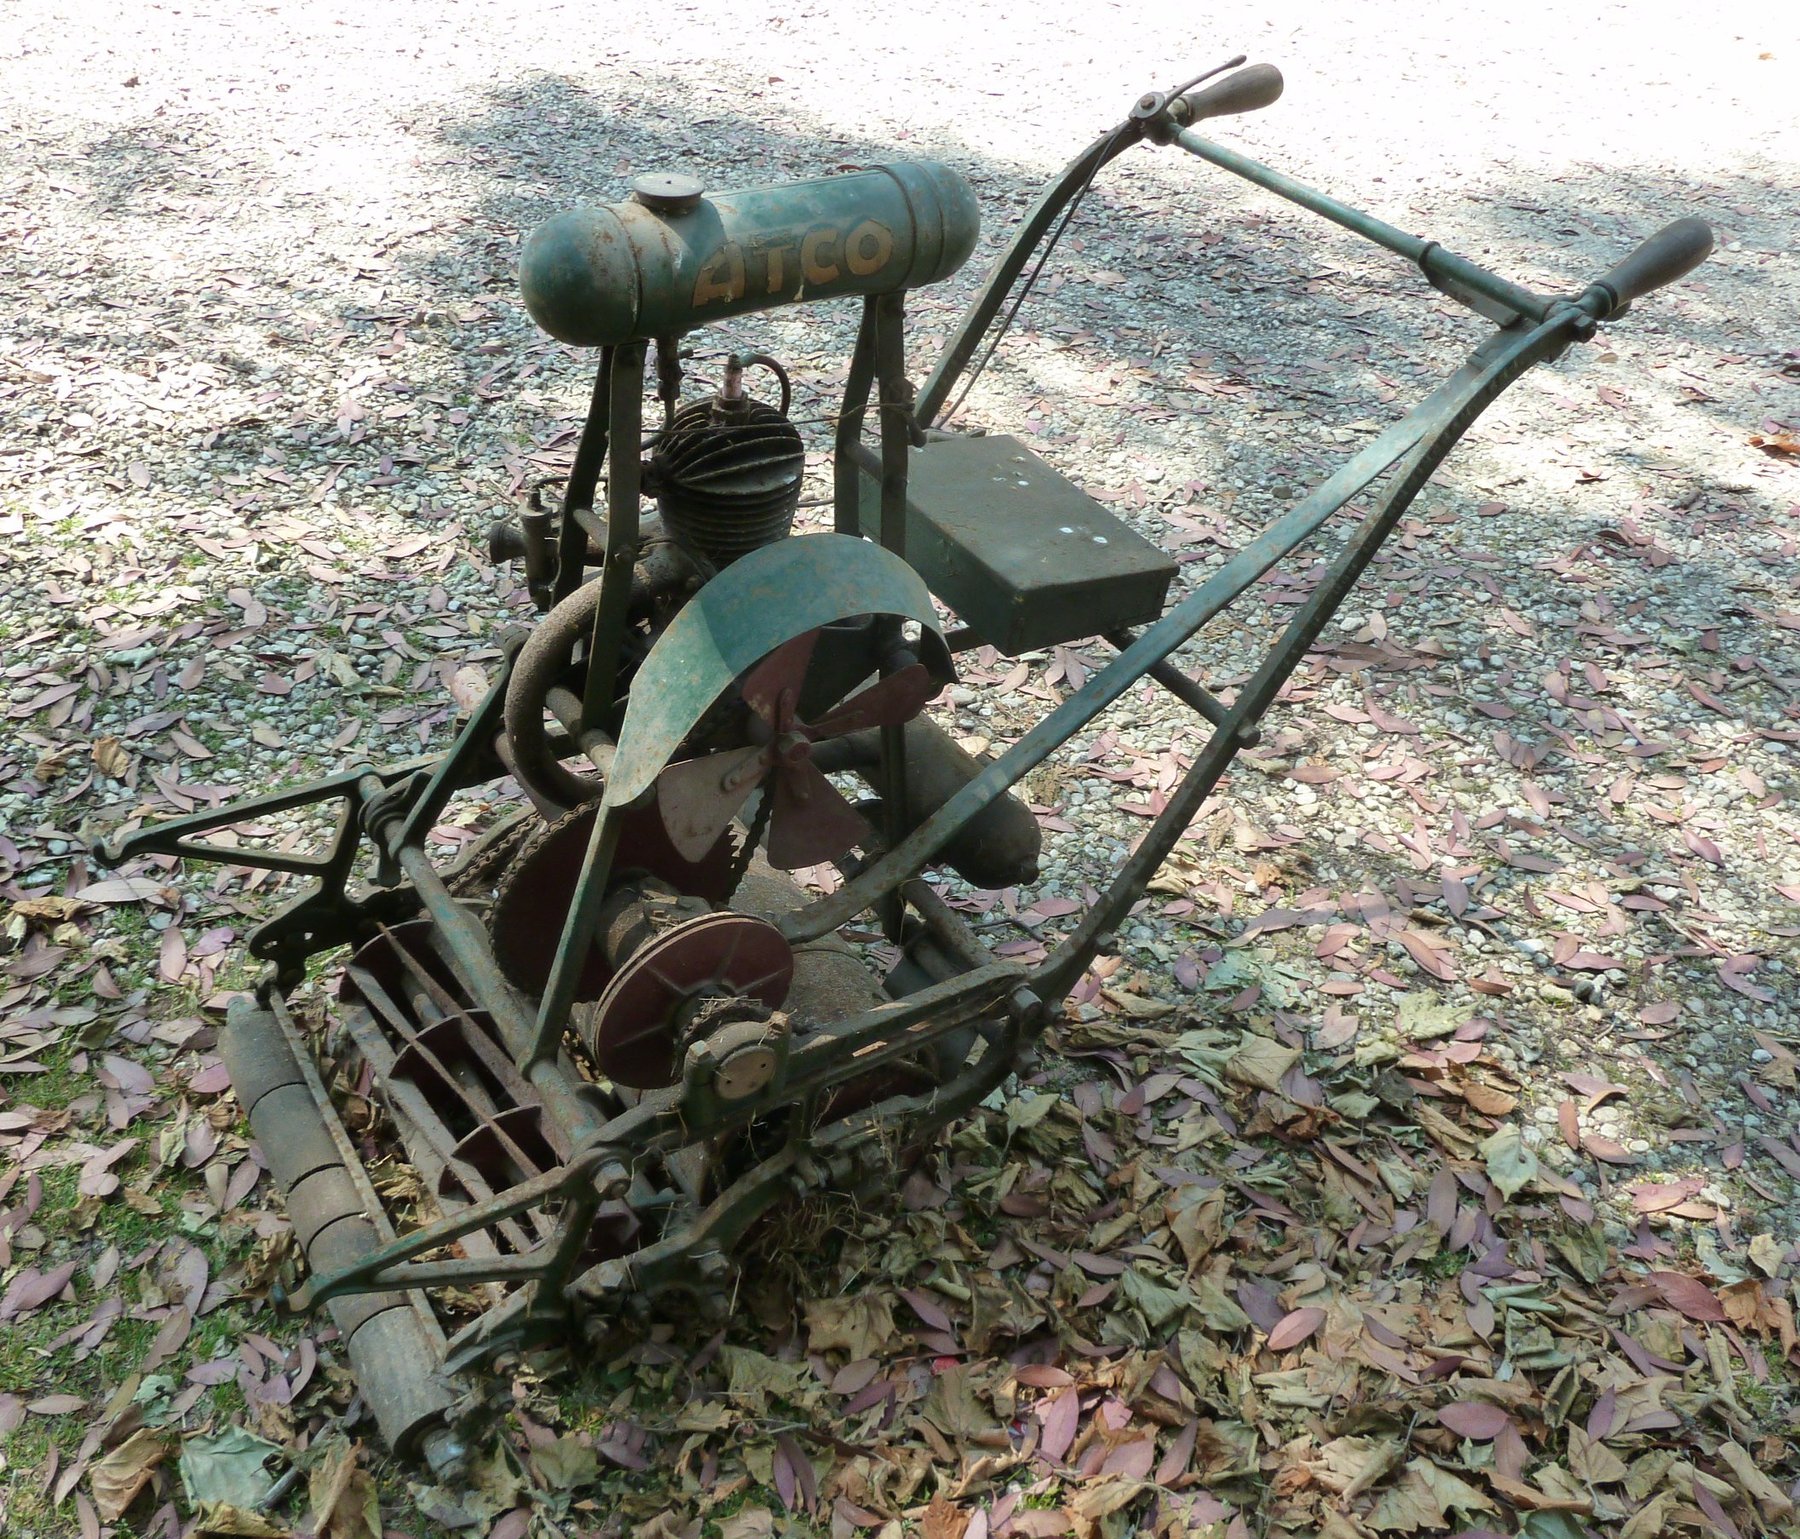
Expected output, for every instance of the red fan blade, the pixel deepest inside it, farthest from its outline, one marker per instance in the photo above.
(888, 703)
(699, 797)
(810, 823)
(772, 687)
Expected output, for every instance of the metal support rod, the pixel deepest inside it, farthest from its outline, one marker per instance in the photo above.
(894, 424)
(1447, 404)
(459, 1272)
(576, 1224)
(564, 705)
(584, 476)
(846, 485)
(668, 377)
(577, 937)
(474, 742)
(593, 526)
(1190, 692)
(625, 416)
(895, 418)
(944, 925)
(1444, 268)
(837, 1052)
(173, 836)
(972, 327)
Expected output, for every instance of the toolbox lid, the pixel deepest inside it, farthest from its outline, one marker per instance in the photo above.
(1024, 556)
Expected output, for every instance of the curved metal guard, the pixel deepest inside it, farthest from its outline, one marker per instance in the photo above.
(746, 612)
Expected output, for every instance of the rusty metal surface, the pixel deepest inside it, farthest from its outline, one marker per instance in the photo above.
(636, 1031)
(394, 1345)
(319, 1199)
(544, 663)
(535, 891)
(996, 848)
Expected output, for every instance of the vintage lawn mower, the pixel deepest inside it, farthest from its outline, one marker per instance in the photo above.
(617, 1030)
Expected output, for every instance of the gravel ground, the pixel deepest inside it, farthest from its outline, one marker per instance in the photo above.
(266, 379)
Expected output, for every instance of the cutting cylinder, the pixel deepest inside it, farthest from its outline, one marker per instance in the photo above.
(670, 260)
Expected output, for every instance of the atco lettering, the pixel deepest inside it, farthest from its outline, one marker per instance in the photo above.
(783, 266)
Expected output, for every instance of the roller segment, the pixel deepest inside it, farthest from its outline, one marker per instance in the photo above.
(393, 1352)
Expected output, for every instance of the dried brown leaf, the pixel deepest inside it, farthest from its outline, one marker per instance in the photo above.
(1688, 1295)
(1476, 1420)
(117, 1477)
(1295, 1327)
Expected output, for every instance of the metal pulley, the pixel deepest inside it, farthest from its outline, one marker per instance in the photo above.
(726, 473)
(682, 972)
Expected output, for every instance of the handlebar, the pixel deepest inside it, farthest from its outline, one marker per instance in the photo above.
(1672, 252)
(1667, 255)
(1245, 91)
(1166, 119)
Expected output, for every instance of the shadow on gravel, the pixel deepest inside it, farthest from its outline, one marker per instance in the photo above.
(139, 170)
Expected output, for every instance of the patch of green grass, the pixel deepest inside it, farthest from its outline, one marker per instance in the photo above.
(1772, 1406)
(25, 1510)
(30, 1366)
(52, 1090)
(1444, 1265)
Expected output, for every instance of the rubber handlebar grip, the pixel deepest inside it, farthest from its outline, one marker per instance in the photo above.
(1244, 91)
(1672, 251)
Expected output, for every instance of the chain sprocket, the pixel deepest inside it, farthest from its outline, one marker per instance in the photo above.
(477, 876)
(533, 894)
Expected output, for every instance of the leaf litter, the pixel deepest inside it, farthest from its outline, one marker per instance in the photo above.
(1323, 1221)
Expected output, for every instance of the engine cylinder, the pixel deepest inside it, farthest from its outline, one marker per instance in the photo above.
(727, 477)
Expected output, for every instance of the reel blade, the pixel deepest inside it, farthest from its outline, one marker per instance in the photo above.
(698, 798)
(810, 822)
(890, 702)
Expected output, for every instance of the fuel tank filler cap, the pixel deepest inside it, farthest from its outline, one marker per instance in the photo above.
(667, 192)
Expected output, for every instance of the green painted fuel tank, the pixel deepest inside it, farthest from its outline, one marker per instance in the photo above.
(673, 259)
